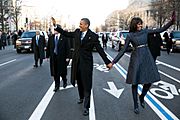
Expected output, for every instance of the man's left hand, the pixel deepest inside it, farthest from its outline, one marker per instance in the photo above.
(110, 65)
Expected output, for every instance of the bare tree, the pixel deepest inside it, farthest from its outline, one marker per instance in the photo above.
(16, 13)
(162, 9)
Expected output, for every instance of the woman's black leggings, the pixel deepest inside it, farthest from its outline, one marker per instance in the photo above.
(135, 93)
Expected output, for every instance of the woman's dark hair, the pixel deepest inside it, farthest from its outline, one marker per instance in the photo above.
(165, 35)
(133, 24)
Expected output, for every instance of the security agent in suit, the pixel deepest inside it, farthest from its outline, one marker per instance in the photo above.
(155, 44)
(58, 51)
(82, 60)
(38, 45)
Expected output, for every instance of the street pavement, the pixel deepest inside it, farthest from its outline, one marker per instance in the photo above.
(27, 93)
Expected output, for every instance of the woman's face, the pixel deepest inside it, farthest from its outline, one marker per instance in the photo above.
(139, 26)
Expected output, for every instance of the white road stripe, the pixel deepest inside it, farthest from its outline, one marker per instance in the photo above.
(39, 111)
(92, 109)
(169, 76)
(7, 62)
(167, 65)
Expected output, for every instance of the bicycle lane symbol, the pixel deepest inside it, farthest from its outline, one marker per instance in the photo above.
(168, 90)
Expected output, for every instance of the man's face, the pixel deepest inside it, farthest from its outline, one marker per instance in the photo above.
(37, 33)
(83, 26)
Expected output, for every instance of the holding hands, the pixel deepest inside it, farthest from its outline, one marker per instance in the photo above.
(110, 65)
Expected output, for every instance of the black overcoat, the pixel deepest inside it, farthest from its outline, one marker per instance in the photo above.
(82, 56)
(155, 43)
(39, 48)
(63, 53)
(142, 68)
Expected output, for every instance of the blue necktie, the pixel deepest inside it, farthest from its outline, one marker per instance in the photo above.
(82, 36)
(56, 42)
(37, 39)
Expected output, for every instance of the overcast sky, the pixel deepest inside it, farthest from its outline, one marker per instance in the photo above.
(95, 10)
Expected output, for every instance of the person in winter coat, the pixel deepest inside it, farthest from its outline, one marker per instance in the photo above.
(58, 51)
(82, 60)
(155, 44)
(142, 68)
(168, 42)
(38, 45)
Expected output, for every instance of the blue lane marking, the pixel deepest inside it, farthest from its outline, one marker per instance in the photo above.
(122, 69)
(157, 106)
(148, 97)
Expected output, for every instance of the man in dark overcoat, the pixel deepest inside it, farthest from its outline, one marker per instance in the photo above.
(58, 51)
(82, 61)
(155, 44)
(38, 45)
(104, 40)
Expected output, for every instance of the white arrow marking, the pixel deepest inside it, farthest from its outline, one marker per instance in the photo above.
(113, 90)
(102, 68)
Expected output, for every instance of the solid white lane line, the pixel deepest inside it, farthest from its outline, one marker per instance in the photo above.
(167, 65)
(169, 76)
(92, 115)
(39, 111)
(7, 62)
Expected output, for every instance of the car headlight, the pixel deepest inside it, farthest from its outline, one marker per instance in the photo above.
(18, 42)
(28, 42)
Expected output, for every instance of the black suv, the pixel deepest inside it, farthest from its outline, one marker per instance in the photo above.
(176, 40)
(24, 42)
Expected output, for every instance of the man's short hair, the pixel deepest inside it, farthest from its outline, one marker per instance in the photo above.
(86, 20)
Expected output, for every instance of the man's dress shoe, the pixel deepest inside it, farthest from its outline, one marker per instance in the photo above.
(35, 66)
(64, 84)
(136, 110)
(80, 101)
(86, 112)
(56, 89)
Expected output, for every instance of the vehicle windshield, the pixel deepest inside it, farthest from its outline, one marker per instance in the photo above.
(28, 34)
(176, 34)
(124, 34)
